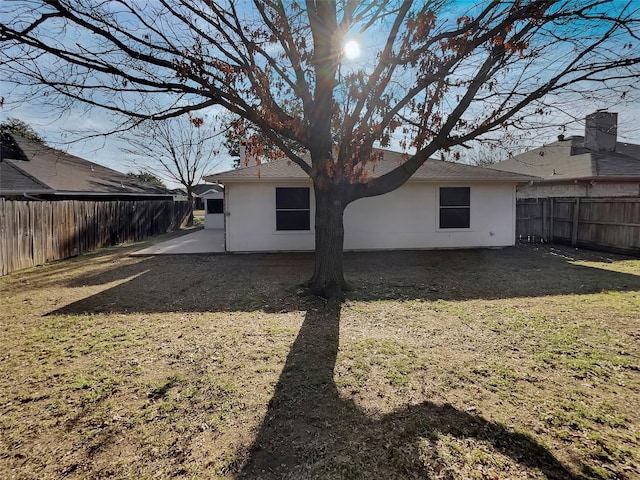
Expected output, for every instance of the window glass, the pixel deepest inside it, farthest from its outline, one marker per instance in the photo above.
(455, 196)
(293, 210)
(292, 198)
(215, 205)
(455, 207)
(292, 220)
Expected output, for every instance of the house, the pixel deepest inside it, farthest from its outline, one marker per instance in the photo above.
(593, 165)
(270, 207)
(213, 202)
(197, 191)
(31, 170)
(210, 198)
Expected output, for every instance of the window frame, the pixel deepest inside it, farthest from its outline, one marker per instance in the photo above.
(453, 205)
(284, 208)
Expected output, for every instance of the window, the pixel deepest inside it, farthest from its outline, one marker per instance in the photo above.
(292, 208)
(215, 205)
(455, 207)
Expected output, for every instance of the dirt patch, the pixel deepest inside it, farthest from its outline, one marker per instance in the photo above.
(514, 363)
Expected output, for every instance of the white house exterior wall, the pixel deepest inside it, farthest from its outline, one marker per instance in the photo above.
(406, 218)
(251, 219)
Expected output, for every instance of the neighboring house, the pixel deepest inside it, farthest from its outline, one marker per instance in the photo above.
(213, 200)
(30, 170)
(270, 207)
(596, 165)
(198, 190)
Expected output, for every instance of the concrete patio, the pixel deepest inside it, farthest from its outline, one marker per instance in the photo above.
(201, 241)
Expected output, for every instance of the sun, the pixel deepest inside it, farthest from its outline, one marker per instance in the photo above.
(351, 49)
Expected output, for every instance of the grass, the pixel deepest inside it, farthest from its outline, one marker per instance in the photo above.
(517, 363)
(198, 218)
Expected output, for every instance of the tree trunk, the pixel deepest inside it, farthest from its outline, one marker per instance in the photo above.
(191, 200)
(328, 275)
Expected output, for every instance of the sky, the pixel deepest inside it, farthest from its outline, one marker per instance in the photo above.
(69, 130)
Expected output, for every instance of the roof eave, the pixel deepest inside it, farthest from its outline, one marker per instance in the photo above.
(621, 179)
(256, 179)
(514, 179)
(471, 179)
(26, 192)
(109, 194)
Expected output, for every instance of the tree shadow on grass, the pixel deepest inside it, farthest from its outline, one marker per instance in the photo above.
(269, 282)
(310, 432)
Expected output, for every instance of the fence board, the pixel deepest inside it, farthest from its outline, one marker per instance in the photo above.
(33, 233)
(604, 223)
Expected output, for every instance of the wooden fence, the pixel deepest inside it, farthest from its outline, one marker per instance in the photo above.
(33, 233)
(611, 224)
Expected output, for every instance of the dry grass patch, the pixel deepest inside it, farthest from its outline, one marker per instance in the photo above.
(518, 363)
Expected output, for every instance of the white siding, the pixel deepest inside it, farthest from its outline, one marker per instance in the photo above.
(406, 218)
(251, 219)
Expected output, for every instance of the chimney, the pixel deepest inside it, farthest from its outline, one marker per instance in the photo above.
(601, 130)
(245, 159)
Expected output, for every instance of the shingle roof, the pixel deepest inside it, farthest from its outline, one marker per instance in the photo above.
(35, 167)
(430, 171)
(569, 160)
(12, 179)
(205, 187)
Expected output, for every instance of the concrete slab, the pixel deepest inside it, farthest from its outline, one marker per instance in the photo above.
(202, 241)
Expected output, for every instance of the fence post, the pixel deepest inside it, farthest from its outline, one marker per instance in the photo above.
(551, 220)
(545, 226)
(574, 228)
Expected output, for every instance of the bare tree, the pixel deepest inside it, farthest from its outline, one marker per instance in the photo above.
(440, 74)
(180, 149)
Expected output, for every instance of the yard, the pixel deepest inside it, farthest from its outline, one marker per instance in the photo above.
(487, 364)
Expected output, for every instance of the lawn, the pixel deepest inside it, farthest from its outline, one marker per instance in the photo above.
(522, 363)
